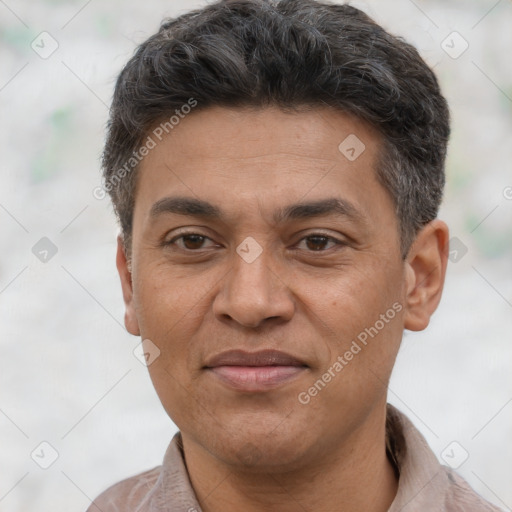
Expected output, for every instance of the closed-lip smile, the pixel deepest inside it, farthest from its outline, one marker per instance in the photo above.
(255, 371)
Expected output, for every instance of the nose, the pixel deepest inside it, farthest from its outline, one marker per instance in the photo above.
(253, 294)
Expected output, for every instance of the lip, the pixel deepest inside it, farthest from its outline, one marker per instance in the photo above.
(260, 358)
(255, 371)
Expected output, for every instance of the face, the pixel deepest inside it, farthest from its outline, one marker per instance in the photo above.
(255, 233)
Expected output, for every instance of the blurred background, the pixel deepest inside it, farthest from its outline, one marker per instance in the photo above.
(77, 408)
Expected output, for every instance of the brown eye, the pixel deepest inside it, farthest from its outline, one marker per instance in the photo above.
(189, 242)
(192, 242)
(317, 243)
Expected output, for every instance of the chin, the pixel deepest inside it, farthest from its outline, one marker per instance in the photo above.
(257, 450)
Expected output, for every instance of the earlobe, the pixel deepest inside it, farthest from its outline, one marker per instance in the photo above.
(425, 274)
(125, 274)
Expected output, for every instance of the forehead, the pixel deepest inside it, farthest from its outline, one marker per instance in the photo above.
(220, 132)
(235, 158)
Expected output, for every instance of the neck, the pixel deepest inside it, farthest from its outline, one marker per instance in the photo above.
(357, 474)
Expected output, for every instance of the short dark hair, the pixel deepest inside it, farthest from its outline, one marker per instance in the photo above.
(292, 54)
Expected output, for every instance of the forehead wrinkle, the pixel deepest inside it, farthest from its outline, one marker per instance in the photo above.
(273, 154)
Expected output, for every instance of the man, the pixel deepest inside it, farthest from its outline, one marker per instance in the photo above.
(277, 169)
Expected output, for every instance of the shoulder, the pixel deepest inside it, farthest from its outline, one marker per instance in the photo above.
(128, 494)
(460, 497)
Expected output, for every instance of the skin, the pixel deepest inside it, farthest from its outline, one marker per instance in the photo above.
(195, 298)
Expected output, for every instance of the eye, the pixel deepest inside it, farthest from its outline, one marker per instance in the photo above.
(189, 241)
(318, 242)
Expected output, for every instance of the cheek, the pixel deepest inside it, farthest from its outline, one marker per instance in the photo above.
(351, 298)
(166, 297)
(169, 315)
(173, 390)
(363, 311)
(170, 310)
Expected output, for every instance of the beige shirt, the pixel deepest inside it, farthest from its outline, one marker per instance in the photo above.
(424, 484)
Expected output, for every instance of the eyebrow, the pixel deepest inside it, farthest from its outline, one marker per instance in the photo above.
(330, 206)
(185, 206)
(198, 208)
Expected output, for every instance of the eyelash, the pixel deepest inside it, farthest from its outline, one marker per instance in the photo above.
(329, 238)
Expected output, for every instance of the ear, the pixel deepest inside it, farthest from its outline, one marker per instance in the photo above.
(425, 273)
(130, 318)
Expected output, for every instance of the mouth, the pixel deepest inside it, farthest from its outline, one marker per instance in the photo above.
(255, 371)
